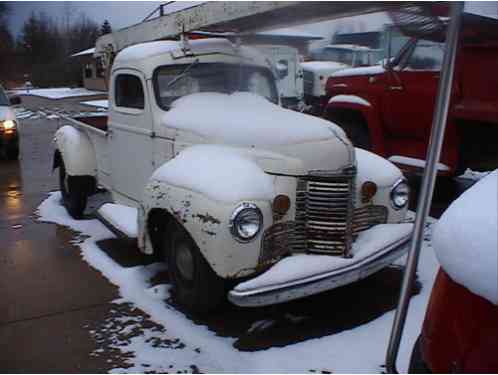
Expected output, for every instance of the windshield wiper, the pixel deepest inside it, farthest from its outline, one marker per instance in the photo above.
(182, 74)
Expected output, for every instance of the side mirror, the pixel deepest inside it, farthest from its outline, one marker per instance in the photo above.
(15, 100)
(282, 69)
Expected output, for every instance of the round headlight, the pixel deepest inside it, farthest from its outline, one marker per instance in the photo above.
(400, 194)
(246, 222)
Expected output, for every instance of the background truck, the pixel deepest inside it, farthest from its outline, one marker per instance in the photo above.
(388, 109)
(327, 60)
(234, 192)
(9, 137)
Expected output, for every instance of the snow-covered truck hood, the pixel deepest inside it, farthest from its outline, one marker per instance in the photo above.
(248, 120)
(7, 113)
(323, 67)
(465, 239)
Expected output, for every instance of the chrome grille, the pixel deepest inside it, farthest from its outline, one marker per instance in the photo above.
(308, 82)
(324, 213)
(368, 216)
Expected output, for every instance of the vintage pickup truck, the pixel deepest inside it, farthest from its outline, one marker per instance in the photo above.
(238, 194)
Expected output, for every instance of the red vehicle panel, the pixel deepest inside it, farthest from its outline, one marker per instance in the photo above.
(460, 331)
(402, 99)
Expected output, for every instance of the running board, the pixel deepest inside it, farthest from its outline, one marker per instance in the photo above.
(119, 219)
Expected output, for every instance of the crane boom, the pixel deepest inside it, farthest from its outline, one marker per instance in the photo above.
(243, 16)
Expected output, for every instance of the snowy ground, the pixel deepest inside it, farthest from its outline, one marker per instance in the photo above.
(52, 113)
(97, 103)
(175, 343)
(59, 92)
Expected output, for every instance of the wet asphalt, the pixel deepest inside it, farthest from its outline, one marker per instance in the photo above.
(50, 299)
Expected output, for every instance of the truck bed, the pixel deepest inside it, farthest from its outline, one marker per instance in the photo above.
(97, 122)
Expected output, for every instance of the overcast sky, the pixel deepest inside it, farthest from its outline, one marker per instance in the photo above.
(125, 13)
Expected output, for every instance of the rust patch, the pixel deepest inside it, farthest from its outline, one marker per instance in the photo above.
(207, 218)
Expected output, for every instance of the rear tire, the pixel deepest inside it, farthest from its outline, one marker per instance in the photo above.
(74, 195)
(195, 285)
(12, 153)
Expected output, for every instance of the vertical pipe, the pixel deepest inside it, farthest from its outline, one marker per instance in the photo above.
(428, 182)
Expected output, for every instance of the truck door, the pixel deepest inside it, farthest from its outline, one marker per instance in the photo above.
(130, 138)
(410, 98)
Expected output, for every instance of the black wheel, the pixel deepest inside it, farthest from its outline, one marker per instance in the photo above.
(196, 286)
(74, 195)
(12, 153)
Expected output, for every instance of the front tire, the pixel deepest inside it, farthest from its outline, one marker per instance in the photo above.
(196, 286)
(74, 195)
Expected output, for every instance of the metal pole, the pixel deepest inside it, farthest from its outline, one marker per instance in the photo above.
(428, 182)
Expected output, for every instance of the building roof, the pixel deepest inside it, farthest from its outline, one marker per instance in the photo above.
(86, 52)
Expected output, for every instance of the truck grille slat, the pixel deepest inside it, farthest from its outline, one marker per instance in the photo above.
(326, 221)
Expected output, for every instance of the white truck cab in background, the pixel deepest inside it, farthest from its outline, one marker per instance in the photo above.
(234, 192)
(327, 60)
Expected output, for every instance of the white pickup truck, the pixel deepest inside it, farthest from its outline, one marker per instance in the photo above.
(236, 193)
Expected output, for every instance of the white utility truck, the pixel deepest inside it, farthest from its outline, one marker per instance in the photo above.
(235, 192)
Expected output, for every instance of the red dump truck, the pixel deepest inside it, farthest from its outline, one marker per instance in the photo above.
(388, 108)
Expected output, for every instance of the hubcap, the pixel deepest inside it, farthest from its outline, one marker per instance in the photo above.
(185, 262)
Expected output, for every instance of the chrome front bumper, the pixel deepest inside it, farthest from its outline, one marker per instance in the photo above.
(286, 286)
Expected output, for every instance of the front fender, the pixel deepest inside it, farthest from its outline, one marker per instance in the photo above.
(369, 111)
(200, 188)
(76, 151)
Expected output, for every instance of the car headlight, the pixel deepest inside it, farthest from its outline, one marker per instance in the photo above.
(246, 222)
(8, 125)
(400, 194)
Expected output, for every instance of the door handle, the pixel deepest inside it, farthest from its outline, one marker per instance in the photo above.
(396, 88)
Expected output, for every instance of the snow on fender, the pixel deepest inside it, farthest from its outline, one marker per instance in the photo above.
(202, 188)
(465, 239)
(76, 151)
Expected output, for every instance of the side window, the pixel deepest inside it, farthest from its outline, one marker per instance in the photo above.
(426, 56)
(128, 92)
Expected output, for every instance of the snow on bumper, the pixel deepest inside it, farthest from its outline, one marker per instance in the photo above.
(303, 275)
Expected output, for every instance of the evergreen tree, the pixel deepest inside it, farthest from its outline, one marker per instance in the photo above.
(105, 28)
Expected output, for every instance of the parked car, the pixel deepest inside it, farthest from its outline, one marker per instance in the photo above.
(460, 331)
(231, 189)
(9, 138)
(388, 109)
(327, 60)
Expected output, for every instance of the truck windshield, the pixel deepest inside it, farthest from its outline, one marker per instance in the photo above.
(3, 98)
(335, 54)
(173, 82)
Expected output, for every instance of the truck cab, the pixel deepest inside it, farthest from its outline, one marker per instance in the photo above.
(232, 191)
(388, 109)
(327, 60)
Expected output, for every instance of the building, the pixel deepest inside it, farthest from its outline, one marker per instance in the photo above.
(92, 71)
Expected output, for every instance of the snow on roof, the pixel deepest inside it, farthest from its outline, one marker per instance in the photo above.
(465, 239)
(353, 47)
(150, 49)
(323, 66)
(289, 34)
(363, 71)
(88, 51)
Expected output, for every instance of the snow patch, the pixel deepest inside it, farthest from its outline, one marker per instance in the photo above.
(97, 103)
(363, 71)
(124, 218)
(353, 99)
(193, 344)
(244, 119)
(414, 162)
(213, 164)
(466, 239)
(59, 93)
